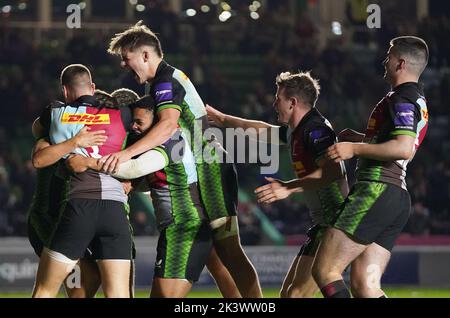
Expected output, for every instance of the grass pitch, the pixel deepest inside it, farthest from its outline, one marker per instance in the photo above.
(392, 292)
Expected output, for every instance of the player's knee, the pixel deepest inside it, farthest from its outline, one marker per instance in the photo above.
(360, 288)
(117, 293)
(318, 272)
(42, 292)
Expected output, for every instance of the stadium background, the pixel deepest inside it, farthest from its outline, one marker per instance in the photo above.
(232, 50)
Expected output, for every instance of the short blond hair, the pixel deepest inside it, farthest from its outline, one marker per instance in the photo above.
(135, 37)
(301, 85)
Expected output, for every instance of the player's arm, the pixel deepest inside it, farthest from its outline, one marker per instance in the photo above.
(317, 139)
(45, 154)
(254, 128)
(149, 162)
(158, 134)
(350, 135)
(399, 148)
(404, 117)
(276, 190)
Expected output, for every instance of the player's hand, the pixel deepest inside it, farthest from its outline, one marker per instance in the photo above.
(110, 164)
(214, 116)
(79, 164)
(86, 138)
(349, 135)
(274, 191)
(340, 152)
(127, 186)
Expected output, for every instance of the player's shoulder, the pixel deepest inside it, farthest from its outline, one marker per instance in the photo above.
(406, 93)
(316, 120)
(164, 73)
(55, 104)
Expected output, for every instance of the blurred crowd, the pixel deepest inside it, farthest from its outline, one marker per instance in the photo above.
(234, 66)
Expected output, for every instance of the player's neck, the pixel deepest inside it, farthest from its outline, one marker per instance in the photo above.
(153, 68)
(297, 116)
(404, 79)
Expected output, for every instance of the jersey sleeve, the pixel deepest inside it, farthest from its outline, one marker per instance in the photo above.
(45, 120)
(168, 93)
(283, 131)
(173, 149)
(404, 116)
(127, 117)
(318, 139)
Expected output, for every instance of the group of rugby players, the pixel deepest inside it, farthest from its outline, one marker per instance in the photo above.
(94, 148)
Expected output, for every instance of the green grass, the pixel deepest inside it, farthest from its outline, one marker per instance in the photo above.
(398, 292)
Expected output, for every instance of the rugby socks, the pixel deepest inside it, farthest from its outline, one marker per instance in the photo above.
(336, 289)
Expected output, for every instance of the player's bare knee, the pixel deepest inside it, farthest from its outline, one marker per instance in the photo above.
(318, 273)
(300, 292)
(361, 288)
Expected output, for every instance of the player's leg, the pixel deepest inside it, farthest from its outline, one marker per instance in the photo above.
(302, 283)
(219, 192)
(366, 272)
(335, 253)
(182, 252)
(369, 211)
(132, 278)
(90, 280)
(112, 247)
(369, 267)
(69, 243)
(170, 288)
(228, 246)
(222, 277)
(289, 277)
(115, 274)
(53, 269)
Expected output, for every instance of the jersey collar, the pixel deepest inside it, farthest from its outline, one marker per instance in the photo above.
(86, 100)
(305, 118)
(407, 84)
(162, 65)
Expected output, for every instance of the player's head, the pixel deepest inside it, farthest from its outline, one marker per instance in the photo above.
(140, 51)
(105, 99)
(125, 96)
(76, 81)
(294, 91)
(143, 114)
(407, 57)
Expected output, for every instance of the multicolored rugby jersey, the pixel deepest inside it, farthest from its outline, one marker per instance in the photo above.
(308, 143)
(174, 189)
(65, 121)
(171, 88)
(402, 112)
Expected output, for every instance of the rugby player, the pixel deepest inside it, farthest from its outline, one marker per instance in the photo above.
(95, 214)
(378, 205)
(49, 196)
(185, 239)
(177, 102)
(323, 183)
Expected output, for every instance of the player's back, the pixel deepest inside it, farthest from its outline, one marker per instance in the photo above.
(66, 120)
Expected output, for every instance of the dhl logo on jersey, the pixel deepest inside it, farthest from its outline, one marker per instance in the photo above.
(89, 119)
(184, 76)
(425, 114)
(372, 123)
(299, 168)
